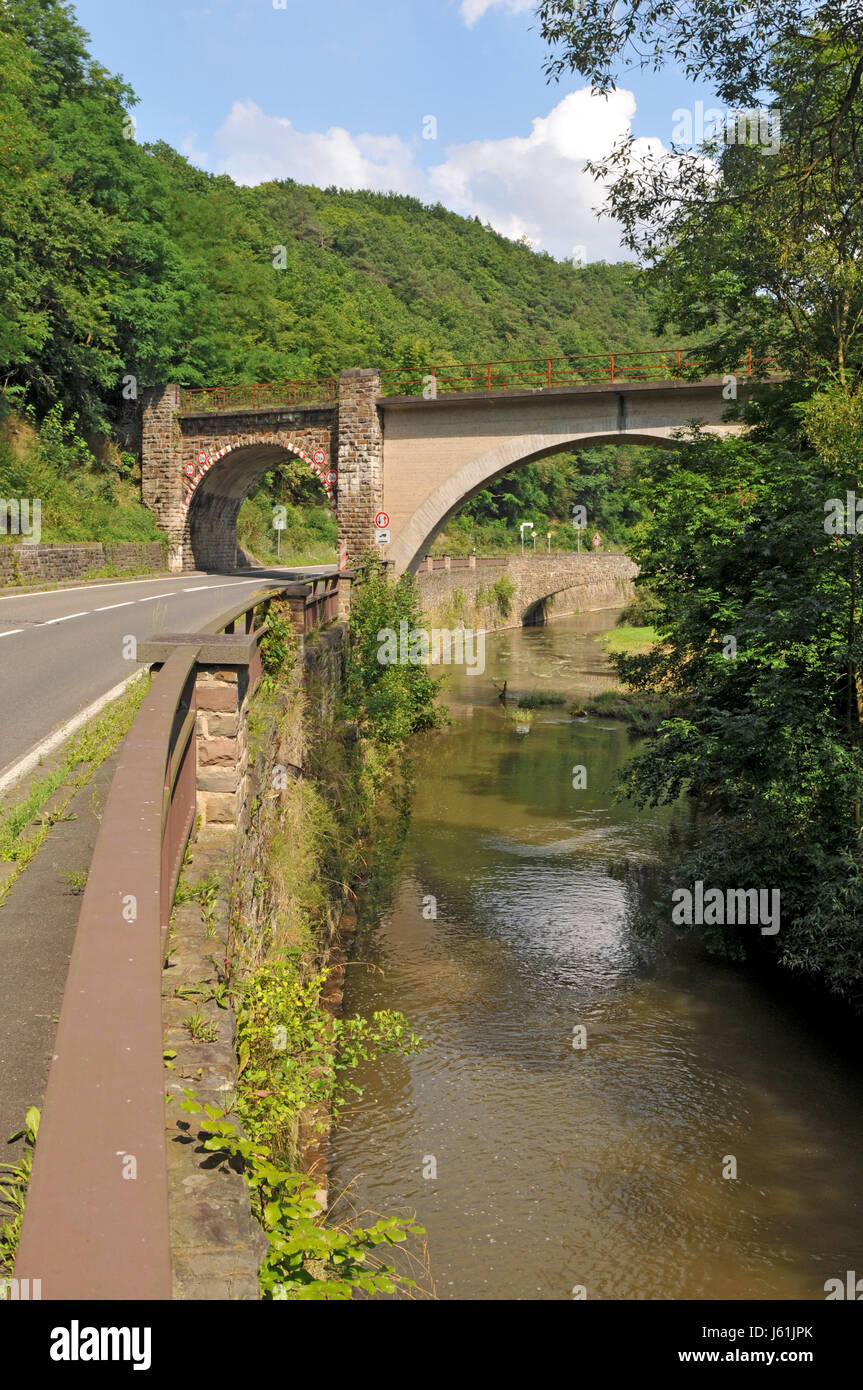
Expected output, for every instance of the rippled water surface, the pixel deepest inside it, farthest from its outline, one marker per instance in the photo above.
(600, 1167)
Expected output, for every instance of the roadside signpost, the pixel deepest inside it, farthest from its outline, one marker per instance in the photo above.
(382, 528)
(279, 518)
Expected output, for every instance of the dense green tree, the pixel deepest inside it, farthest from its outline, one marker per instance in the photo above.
(756, 237)
(119, 261)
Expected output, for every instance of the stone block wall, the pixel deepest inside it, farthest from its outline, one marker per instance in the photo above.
(579, 582)
(34, 564)
(161, 477)
(222, 697)
(361, 459)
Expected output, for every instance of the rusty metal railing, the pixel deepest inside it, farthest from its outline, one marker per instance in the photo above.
(90, 1232)
(672, 364)
(322, 603)
(204, 400)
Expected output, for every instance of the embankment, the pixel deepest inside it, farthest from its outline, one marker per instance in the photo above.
(511, 591)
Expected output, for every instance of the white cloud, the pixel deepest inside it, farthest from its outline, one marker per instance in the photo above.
(256, 147)
(532, 186)
(472, 10)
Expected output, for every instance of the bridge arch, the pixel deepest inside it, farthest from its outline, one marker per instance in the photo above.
(216, 491)
(442, 504)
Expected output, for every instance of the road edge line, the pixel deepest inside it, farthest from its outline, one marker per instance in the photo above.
(30, 760)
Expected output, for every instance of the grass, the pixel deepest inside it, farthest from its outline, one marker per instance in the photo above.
(82, 498)
(538, 699)
(642, 712)
(25, 826)
(200, 1028)
(13, 1191)
(629, 639)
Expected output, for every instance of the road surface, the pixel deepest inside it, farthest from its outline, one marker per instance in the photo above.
(62, 650)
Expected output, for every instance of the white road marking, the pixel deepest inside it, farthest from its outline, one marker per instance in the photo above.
(13, 774)
(12, 633)
(153, 597)
(79, 588)
(109, 606)
(67, 617)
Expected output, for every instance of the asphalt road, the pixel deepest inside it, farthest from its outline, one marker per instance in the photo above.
(62, 650)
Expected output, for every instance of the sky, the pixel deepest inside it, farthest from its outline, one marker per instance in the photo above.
(442, 99)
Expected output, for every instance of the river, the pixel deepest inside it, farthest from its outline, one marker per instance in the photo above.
(540, 1168)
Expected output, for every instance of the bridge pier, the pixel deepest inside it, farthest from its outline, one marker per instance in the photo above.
(200, 461)
(360, 459)
(162, 466)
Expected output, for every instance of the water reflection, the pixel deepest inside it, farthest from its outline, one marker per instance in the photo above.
(600, 1167)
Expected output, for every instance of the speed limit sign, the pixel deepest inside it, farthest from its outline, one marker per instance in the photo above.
(597, 539)
(319, 457)
(382, 520)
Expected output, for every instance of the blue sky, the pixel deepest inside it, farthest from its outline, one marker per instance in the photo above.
(338, 93)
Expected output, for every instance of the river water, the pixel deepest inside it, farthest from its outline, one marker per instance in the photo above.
(539, 1168)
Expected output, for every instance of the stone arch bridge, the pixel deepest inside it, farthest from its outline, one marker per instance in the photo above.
(416, 449)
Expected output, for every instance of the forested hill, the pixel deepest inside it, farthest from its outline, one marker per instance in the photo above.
(120, 260)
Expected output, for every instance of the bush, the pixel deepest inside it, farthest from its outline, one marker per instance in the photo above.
(388, 701)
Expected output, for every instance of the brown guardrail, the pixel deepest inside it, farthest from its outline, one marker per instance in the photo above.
(90, 1231)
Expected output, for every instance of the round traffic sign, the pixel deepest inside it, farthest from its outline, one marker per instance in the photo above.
(202, 457)
(190, 470)
(382, 520)
(319, 456)
(596, 538)
(332, 476)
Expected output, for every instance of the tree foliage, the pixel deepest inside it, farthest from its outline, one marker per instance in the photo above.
(120, 260)
(753, 241)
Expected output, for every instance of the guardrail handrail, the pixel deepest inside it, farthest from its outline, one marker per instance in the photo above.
(88, 1231)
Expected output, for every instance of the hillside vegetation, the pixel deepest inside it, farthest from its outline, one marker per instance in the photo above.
(121, 260)
(121, 265)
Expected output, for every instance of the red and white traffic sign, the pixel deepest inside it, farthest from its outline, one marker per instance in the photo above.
(319, 456)
(202, 457)
(332, 477)
(190, 470)
(597, 538)
(382, 520)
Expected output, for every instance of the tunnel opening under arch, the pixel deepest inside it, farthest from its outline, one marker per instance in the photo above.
(210, 540)
(438, 510)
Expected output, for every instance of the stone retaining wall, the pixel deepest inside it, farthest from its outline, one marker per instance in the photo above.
(576, 582)
(32, 564)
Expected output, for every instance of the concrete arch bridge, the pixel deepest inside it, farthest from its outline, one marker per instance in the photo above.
(416, 448)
